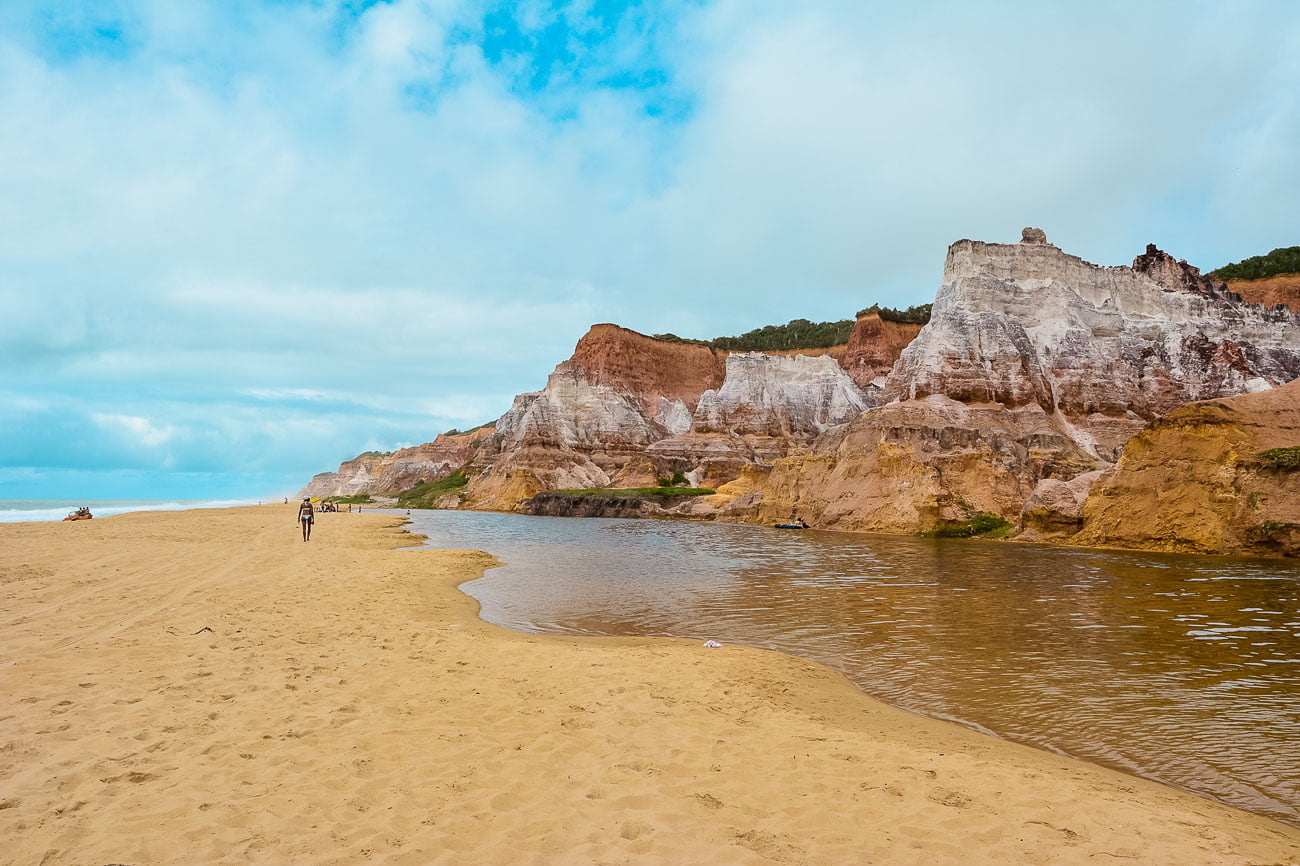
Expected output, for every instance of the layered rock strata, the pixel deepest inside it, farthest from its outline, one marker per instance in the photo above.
(1200, 479)
(1036, 368)
(576, 434)
(1104, 349)
(400, 470)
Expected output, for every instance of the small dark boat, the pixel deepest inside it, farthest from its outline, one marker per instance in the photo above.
(789, 526)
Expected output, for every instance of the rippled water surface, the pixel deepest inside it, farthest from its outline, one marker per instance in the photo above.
(1181, 669)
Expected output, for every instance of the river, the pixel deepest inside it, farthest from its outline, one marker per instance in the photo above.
(1181, 669)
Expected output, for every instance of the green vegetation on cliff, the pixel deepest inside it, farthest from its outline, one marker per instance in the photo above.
(426, 493)
(803, 334)
(796, 334)
(918, 315)
(983, 524)
(1285, 459)
(1283, 260)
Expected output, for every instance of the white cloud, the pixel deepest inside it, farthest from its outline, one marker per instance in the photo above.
(262, 204)
(141, 431)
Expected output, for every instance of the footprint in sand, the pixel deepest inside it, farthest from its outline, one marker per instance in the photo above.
(948, 797)
(635, 830)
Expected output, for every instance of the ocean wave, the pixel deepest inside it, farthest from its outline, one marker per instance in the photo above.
(39, 511)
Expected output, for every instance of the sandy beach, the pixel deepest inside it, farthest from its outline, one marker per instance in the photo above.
(204, 687)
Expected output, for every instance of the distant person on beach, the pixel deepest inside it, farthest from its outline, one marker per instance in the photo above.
(306, 516)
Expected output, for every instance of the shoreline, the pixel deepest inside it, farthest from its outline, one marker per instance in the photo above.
(1009, 539)
(202, 686)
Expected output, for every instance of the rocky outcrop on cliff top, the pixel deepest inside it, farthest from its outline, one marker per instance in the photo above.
(664, 378)
(1104, 350)
(400, 470)
(873, 347)
(1205, 478)
(1036, 366)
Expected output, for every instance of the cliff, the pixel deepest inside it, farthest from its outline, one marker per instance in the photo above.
(873, 347)
(400, 470)
(1105, 349)
(1202, 479)
(664, 378)
(1035, 368)
(599, 422)
(1033, 376)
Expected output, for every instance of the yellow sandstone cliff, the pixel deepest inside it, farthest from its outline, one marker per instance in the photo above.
(1199, 480)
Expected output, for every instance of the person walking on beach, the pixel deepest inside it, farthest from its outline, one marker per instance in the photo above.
(306, 516)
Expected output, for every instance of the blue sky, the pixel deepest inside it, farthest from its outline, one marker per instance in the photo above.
(240, 241)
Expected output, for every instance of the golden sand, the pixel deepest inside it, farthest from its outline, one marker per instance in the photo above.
(203, 687)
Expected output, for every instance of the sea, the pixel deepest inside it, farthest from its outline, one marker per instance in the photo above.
(37, 510)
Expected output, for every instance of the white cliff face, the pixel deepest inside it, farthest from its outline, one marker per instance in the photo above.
(775, 395)
(1105, 349)
(571, 413)
(674, 415)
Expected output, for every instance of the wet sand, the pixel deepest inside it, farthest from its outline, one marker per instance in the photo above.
(202, 686)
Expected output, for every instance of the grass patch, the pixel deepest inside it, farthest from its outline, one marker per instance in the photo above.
(426, 493)
(358, 499)
(629, 492)
(1269, 530)
(1285, 459)
(984, 524)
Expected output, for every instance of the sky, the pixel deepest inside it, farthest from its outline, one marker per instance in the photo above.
(243, 241)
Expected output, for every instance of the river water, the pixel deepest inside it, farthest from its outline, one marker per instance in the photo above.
(1181, 669)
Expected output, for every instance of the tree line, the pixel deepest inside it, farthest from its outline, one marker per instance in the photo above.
(802, 333)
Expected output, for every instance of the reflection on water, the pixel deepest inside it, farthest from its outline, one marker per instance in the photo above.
(1181, 669)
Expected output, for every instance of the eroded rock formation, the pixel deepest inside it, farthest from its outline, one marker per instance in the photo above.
(628, 431)
(400, 470)
(1106, 349)
(1035, 366)
(1034, 373)
(1200, 479)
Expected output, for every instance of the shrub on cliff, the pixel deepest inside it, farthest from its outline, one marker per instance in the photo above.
(1283, 260)
(426, 493)
(801, 333)
(795, 334)
(918, 315)
(983, 524)
(1285, 459)
(673, 338)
